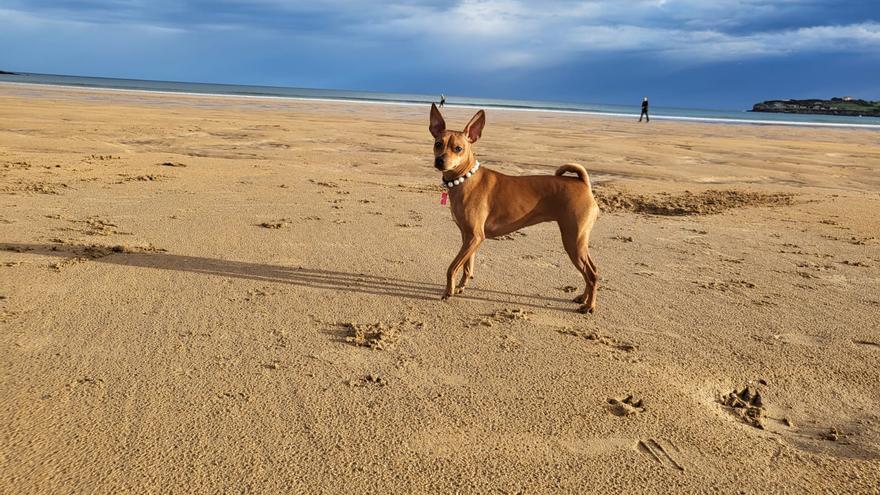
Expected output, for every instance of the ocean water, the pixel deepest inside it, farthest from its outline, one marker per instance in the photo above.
(657, 112)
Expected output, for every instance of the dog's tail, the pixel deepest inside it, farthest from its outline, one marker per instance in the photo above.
(575, 168)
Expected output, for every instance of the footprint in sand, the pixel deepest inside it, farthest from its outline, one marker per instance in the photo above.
(100, 158)
(61, 265)
(860, 264)
(378, 336)
(142, 178)
(39, 187)
(253, 294)
(506, 315)
(747, 404)
(414, 218)
(327, 184)
(275, 224)
(84, 253)
(627, 406)
(834, 431)
(766, 300)
(597, 337)
(93, 226)
(369, 380)
(815, 266)
(724, 285)
(860, 241)
(725, 259)
(509, 237)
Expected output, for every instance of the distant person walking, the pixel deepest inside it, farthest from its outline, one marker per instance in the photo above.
(442, 100)
(644, 111)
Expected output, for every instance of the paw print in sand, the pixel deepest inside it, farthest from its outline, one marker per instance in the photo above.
(626, 407)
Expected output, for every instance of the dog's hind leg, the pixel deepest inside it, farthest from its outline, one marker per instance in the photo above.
(575, 239)
(593, 284)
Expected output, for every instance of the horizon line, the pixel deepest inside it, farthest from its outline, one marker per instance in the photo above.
(473, 105)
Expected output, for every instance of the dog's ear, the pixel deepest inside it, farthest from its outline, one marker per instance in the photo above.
(438, 125)
(474, 128)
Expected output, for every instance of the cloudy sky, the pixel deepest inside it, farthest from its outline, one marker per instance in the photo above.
(693, 53)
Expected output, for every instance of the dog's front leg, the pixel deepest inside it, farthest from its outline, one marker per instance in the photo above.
(466, 274)
(468, 247)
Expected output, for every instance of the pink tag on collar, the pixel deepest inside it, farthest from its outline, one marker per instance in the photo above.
(443, 197)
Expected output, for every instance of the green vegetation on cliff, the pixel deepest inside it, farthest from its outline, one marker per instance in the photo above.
(834, 106)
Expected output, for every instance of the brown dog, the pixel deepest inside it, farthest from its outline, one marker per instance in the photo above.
(486, 204)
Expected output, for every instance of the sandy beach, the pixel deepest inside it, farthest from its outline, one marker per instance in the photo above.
(242, 295)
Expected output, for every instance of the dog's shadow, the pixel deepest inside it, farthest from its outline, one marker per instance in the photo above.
(312, 278)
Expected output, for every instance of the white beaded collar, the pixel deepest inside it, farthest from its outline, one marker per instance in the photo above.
(461, 179)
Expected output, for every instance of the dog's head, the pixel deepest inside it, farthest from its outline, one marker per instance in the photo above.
(452, 149)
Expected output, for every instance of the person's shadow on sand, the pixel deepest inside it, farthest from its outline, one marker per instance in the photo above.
(305, 277)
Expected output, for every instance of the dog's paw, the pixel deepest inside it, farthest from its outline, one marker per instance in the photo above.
(580, 299)
(445, 297)
(586, 309)
(459, 289)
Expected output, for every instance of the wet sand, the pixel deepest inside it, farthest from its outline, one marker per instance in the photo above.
(205, 294)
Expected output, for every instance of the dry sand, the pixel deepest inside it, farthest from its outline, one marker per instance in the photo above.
(202, 294)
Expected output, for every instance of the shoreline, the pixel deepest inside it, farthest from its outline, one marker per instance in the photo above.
(616, 115)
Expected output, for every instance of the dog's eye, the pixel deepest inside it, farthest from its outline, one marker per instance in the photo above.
(458, 149)
(438, 144)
